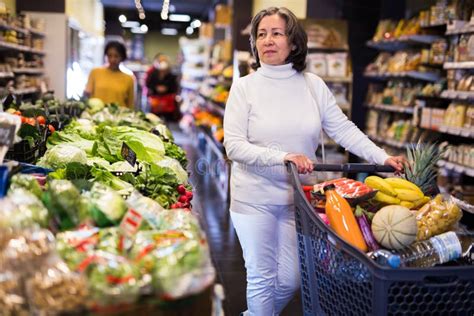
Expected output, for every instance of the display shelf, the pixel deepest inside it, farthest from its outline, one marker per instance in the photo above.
(456, 167)
(4, 26)
(418, 75)
(37, 33)
(392, 108)
(214, 106)
(7, 75)
(190, 85)
(403, 41)
(459, 65)
(432, 26)
(312, 49)
(25, 91)
(389, 142)
(458, 95)
(457, 131)
(32, 71)
(20, 48)
(468, 28)
(337, 79)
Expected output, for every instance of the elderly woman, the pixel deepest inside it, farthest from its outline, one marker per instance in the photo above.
(273, 117)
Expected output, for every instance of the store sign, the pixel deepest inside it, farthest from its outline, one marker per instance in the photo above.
(7, 134)
(129, 155)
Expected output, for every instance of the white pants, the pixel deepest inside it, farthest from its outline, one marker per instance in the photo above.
(267, 235)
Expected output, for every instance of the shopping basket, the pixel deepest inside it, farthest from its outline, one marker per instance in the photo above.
(338, 279)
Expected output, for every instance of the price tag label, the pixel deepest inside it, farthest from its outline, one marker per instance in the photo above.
(7, 134)
(128, 154)
(131, 222)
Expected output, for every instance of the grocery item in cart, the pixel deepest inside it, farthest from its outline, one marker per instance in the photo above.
(341, 218)
(353, 191)
(437, 217)
(394, 227)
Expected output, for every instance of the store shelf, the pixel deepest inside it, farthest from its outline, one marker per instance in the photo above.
(190, 85)
(403, 41)
(25, 91)
(458, 95)
(389, 142)
(431, 26)
(32, 71)
(34, 32)
(418, 75)
(459, 65)
(468, 28)
(456, 167)
(312, 49)
(37, 33)
(457, 131)
(7, 75)
(20, 48)
(214, 106)
(392, 108)
(337, 79)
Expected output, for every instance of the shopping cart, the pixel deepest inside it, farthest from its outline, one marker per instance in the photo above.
(338, 279)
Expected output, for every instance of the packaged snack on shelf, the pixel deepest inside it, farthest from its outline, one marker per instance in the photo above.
(54, 289)
(317, 64)
(336, 64)
(12, 297)
(436, 217)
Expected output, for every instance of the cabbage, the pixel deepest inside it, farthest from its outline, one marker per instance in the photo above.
(59, 156)
(71, 138)
(85, 128)
(109, 205)
(174, 165)
(95, 105)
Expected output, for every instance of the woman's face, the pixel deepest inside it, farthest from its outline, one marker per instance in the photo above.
(114, 58)
(271, 41)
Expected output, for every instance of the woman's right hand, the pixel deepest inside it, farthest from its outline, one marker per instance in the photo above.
(303, 163)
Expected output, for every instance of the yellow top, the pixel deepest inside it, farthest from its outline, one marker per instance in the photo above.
(111, 86)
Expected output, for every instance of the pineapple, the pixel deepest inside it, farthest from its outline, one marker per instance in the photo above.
(421, 168)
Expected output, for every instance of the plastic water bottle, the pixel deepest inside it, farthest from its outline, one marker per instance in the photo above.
(386, 258)
(437, 250)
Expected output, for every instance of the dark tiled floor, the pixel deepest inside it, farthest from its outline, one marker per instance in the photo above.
(225, 248)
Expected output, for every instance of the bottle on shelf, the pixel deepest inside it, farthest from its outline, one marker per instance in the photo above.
(423, 254)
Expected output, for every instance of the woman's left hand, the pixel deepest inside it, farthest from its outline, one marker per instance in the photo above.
(396, 162)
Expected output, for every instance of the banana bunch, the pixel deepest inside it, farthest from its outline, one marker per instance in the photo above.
(397, 191)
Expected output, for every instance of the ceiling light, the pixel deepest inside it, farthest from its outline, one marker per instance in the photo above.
(142, 16)
(144, 28)
(189, 30)
(179, 17)
(131, 24)
(172, 8)
(196, 23)
(169, 31)
(164, 16)
(122, 18)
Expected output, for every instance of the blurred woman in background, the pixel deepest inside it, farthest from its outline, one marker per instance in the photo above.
(108, 82)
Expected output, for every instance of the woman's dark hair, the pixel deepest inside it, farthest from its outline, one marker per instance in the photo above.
(119, 47)
(297, 37)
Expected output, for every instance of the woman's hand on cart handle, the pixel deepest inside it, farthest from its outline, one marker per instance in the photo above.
(396, 162)
(302, 162)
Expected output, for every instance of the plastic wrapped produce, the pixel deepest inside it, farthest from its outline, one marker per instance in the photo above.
(180, 220)
(110, 240)
(64, 202)
(437, 217)
(27, 250)
(112, 280)
(26, 181)
(75, 246)
(148, 208)
(29, 212)
(12, 298)
(179, 266)
(108, 206)
(55, 290)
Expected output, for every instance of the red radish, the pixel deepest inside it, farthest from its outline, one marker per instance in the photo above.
(174, 205)
(181, 189)
(183, 199)
(189, 195)
(179, 205)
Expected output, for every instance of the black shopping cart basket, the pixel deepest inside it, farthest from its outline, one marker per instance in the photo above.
(338, 279)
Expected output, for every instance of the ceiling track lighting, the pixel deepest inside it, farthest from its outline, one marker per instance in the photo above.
(140, 9)
(165, 9)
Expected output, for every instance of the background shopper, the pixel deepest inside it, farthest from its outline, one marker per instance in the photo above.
(109, 83)
(271, 118)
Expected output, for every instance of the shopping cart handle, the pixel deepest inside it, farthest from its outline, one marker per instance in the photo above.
(353, 167)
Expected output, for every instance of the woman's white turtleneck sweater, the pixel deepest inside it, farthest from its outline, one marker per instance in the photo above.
(271, 113)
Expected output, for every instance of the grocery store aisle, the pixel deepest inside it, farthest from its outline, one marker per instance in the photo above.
(225, 248)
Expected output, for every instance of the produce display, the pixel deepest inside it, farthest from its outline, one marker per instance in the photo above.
(102, 226)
